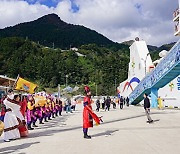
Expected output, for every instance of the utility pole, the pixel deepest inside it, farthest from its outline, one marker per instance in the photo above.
(66, 80)
(96, 89)
(59, 91)
(145, 60)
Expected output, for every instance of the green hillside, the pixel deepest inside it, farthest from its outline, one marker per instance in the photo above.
(49, 67)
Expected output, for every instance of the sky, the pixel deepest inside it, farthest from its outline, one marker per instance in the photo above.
(118, 20)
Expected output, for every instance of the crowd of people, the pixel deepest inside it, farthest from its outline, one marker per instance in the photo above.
(105, 103)
(21, 113)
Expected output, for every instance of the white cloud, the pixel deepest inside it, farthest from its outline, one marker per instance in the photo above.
(125, 19)
(13, 12)
(118, 20)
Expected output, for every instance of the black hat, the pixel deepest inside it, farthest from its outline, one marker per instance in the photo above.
(10, 91)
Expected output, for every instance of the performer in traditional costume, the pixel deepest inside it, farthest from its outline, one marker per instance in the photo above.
(23, 109)
(58, 107)
(42, 104)
(2, 109)
(11, 123)
(1, 127)
(44, 112)
(48, 109)
(53, 108)
(23, 104)
(88, 114)
(31, 118)
(38, 113)
(18, 112)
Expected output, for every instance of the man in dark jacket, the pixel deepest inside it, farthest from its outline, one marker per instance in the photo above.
(97, 105)
(127, 101)
(108, 103)
(121, 102)
(147, 108)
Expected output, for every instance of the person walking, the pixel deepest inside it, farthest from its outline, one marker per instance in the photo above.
(127, 101)
(97, 105)
(73, 107)
(147, 108)
(103, 103)
(108, 103)
(121, 102)
(114, 103)
(124, 101)
(68, 105)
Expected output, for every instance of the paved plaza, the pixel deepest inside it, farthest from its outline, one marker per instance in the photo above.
(123, 131)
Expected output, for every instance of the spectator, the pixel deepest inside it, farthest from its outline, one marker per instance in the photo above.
(127, 101)
(121, 102)
(147, 108)
(97, 105)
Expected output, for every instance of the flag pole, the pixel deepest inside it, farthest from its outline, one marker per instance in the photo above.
(16, 82)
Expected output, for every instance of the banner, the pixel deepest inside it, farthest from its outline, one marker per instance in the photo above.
(40, 100)
(24, 85)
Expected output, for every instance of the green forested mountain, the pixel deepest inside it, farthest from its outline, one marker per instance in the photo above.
(155, 50)
(49, 67)
(50, 31)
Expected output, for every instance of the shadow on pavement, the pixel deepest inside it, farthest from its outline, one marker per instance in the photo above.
(106, 133)
(50, 132)
(58, 123)
(146, 128)
(132, 117)
(14, 149)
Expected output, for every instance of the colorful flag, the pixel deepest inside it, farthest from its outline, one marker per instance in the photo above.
(24, 85)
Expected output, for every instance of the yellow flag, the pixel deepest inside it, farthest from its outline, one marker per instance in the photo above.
(24, 85)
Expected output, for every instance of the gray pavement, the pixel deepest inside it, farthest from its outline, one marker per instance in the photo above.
(123, 131)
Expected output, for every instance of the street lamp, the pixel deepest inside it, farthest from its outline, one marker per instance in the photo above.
(67, 75)
(66, 79)
(96, 89)
(59, 91)
(145, 61)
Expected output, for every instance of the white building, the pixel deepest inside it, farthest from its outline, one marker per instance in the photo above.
(140, 64)
(176, 19)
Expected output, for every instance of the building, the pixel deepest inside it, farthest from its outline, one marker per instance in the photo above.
(5, 84)
(139, 66)
(176, 20)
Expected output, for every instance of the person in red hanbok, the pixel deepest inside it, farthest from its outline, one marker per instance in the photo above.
(88, 114)
(19, 113)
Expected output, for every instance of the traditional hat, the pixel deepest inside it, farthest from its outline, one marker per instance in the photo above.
(86, 89)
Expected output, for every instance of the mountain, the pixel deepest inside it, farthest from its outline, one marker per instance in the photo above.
(129, 43)
(155, 50)
(166, 46)
(51, 31)
(49, 67)
(152, 48)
